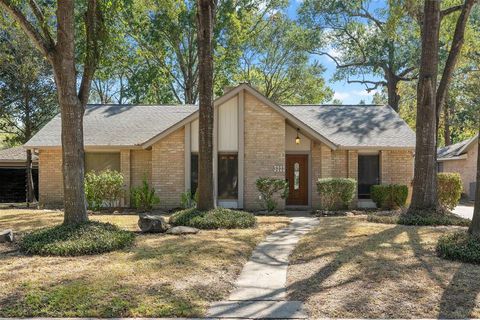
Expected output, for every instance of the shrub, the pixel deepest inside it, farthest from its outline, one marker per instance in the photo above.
(459, 246)
(388, 219)
(103, 189)
(433, 219)
(144, 197)
(449, 189)
(336, 193)
(389, 196)
(75, 240)
(268, 187)
(219, 218)
(187, 200)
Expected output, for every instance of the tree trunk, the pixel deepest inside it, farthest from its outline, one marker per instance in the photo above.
(393, 96)
(474, 228)
(425, 178)
(72, 112)
(205, 20)
(30, 185)
(447, 135)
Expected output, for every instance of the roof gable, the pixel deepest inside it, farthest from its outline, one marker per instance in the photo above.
(457, 149)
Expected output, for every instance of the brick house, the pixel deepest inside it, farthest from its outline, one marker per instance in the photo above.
(253, 137)
(461, 157)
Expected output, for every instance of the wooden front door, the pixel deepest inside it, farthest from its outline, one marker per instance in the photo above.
(297, 177)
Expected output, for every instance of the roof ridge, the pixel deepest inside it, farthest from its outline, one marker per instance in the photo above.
(333, 105)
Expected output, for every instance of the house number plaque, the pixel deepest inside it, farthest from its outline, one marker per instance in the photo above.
(278, 168)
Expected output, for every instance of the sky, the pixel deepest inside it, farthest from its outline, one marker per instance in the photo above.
(348, 93)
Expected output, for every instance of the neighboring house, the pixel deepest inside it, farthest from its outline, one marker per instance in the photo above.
(13, 176)
(253, 137)
(462, 158)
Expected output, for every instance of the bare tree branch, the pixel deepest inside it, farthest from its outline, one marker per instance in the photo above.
(450, 10)
(43, 24)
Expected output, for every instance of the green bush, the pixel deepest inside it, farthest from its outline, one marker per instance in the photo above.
(389, 196)
(268, 187)
(336, 193)
(459, 246)
(187, 200)
(144, 197)
(433, 219)
(219, 218)
(449, 189)
(75, 240)
(104, 189)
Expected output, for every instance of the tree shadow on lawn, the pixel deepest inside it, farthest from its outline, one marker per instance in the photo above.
(384, 284)
(85, 297)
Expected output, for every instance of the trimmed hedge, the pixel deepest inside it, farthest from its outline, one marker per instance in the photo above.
(459, 246)
(104, 189)
(219, 218)
(449, 189)
(336, 193)
(76, 240)
(389, 196)
(268, 187)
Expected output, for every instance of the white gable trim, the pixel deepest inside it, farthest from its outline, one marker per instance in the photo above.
(294, 120)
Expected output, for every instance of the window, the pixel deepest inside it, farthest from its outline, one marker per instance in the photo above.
(193, 173)
(296, 176)
(99, 161)
(228, 176)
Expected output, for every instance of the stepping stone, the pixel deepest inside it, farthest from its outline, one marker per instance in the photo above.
(258, 310)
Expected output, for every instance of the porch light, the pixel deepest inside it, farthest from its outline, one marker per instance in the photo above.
(297, 139)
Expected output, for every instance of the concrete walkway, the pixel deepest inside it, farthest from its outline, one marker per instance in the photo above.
(260, 290)
(464, 211)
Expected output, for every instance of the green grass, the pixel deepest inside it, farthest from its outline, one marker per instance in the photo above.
(75, 240)
(459, 246)
(219, 218)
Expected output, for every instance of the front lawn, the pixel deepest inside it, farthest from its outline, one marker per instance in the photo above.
(350, 268)
(159, 276)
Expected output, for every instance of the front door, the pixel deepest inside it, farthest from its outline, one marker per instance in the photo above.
(368, 174)
(297, 177)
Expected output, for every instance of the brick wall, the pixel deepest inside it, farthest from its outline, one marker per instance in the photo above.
(50, 178)
(264, 142)
(465, 167)
(140, 166)
(396, 167)
(168, 168)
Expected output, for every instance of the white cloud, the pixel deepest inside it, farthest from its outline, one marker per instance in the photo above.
(353, 96)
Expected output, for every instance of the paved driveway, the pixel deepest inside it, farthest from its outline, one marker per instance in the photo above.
(464, 211)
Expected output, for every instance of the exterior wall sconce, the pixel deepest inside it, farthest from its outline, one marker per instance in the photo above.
(297, 139)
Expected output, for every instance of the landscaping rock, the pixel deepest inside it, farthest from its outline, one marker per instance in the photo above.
(6, 236)
(151, 223)
(182, 230)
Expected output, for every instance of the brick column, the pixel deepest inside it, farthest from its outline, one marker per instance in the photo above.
(353, 172)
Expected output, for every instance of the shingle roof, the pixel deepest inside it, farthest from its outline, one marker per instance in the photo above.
(15, 154)
(455, 150)
(356, 125)
(117, 125)
(350, 126)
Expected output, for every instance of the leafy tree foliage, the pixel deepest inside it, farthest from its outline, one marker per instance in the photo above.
(275, 60)
(377, 47)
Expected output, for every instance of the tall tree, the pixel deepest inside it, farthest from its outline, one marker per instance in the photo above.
(37, 22)
(275, 60)
(27, 92)
(425, 182)
(430, 99)
(376, 47)
(205, 22)
(474, 228)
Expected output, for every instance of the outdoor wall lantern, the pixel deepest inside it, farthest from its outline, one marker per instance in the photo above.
(297, 139)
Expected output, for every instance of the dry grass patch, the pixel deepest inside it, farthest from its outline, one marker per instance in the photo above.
(159, 276)
(350, 268)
